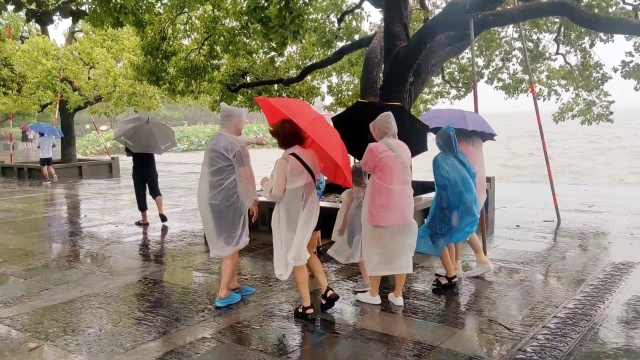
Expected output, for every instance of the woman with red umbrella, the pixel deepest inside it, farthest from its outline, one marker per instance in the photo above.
(292, 186)
(389, 232)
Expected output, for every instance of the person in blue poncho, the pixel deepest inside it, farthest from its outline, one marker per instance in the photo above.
(316, 236)
(454, 213)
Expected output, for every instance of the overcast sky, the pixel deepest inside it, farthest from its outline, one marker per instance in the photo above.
(492, 100)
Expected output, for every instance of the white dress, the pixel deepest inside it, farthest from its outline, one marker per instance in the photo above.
(348, 248)
(226, 191)
(296, 211)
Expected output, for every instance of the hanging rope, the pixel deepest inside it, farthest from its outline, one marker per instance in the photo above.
(532, 88)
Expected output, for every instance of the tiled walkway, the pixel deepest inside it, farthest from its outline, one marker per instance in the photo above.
(77, 280)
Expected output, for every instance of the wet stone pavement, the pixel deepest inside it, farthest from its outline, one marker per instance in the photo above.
(79, 281)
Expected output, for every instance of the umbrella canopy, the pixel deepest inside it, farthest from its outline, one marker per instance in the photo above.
(459, 119)
(353, 126)
(46, 129)
(142, 135)
(322, 138)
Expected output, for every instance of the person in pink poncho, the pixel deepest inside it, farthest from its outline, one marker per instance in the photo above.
(389, 232)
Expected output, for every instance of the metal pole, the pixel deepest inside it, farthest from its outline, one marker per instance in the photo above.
(532, 88)
(9, 30)
(100, 134)
(476, 109)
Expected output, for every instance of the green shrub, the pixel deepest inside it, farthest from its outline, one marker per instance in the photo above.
(189, 138)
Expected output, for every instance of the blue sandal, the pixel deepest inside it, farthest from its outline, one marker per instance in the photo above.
(231, 299)
(244, 290)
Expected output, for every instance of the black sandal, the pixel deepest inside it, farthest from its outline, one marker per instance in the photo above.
(163, 218)
(301, 313)
(140, 223)
(451, 282)
(328, 301)
(319, 250)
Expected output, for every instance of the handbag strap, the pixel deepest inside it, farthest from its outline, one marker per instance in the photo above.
(304, 164)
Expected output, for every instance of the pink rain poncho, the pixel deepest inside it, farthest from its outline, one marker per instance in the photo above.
(227, 186)
(389, 232)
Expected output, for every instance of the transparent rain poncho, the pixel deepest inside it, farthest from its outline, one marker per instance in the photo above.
(296, 210)
(454, 212)
(227, 187)
(348, 248)
(471, 146)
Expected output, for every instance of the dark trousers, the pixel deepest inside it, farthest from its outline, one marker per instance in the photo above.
(140, 184)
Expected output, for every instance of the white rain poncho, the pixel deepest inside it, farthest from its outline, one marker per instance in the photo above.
(296, 210)
(227, 186)
(348, 248)
(471, 146)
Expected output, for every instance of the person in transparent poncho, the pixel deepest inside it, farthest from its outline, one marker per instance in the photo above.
(471, 147)
(348, 238)
(454, 212)
(297, 207)
(389, 231)
(226, 194)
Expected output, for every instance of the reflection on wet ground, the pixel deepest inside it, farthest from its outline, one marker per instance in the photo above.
(78, 280)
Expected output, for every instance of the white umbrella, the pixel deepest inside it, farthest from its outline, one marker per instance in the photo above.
(141, 135)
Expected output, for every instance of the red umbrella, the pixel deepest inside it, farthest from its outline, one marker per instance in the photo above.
(322, 138)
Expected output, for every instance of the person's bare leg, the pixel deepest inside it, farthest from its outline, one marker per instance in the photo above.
(234, 284)
(301, 275)
(400, 280)
(143, 217)
(45, 173)
(158, 201)
(363, 271)
(476, 246)
(228, 273)
(52, 172)
(458, 263)
(375, 285)
(445, 257)
(316, 266)
(451, 248)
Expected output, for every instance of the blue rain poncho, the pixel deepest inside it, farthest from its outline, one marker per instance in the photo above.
(321, 183)
(454, 212)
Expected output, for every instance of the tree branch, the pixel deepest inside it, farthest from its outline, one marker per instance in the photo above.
(443, 76)
(372, 68)
(335, 57)
(199, 47)
(556, 40)
(349, 11)
(44, 107)
(571, 11)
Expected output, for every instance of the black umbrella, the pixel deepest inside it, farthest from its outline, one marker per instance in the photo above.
(353, 127)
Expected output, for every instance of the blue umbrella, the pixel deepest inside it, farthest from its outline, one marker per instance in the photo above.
(459, 119)
(46, 129)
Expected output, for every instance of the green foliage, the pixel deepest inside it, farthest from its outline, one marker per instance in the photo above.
(189, 138)
(97, 69)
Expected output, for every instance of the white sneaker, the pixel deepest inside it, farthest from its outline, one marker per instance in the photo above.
(46, 183)
(55, 178)
(362, 287)
(397, 301)
(367, 298)
(479, 270)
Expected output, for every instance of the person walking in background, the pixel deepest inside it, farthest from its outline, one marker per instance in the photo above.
(226, 193)
(145, 175)
(348, 246)
(30, 136)
(454, 212)
(316, 236)
(292, 187)
(24, 137)
(389, 231)
(46, 145)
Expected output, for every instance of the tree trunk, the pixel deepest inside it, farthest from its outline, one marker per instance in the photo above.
(67, 125)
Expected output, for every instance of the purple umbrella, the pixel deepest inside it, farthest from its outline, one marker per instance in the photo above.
(459, 119)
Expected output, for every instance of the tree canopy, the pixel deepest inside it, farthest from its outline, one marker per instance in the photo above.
(417, 54)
